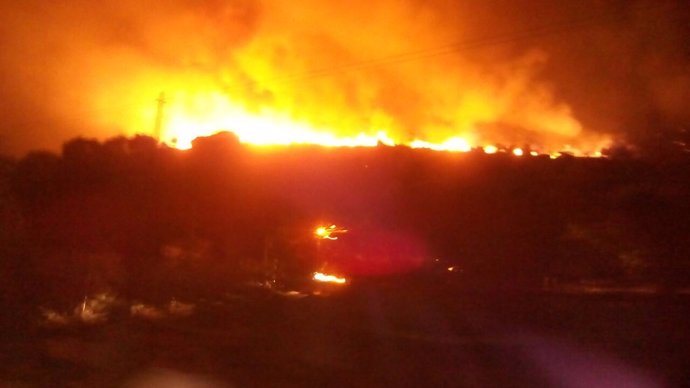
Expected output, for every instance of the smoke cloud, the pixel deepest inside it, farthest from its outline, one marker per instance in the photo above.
(537, 73)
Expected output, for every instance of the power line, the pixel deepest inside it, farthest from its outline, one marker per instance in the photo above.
(561, 27)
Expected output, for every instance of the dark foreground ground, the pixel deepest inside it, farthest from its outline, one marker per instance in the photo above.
(388, 333)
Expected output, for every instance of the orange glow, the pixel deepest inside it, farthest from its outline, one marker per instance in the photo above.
(327, 232)
(490, 149)
(335, 74)
(321, 231)
(454, 144)
(195, 113)
(206, 114)
(194, 107)
(197, 109)
(324, 278)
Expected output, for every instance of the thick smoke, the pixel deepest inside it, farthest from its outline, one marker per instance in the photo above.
(537, 73)
(88, 68)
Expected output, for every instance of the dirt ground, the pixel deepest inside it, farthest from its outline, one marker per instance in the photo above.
(367, 335)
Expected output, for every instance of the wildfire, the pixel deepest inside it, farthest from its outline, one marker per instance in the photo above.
(325, 278)
(454, 144)
(490, 149)
(335, 74)
(191, 114)
(195, 106)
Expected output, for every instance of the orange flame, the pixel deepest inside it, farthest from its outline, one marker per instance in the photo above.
(199, 104)
(207, 114)
(327, 232)
(490, 149)
(269, 128)
(325, 278)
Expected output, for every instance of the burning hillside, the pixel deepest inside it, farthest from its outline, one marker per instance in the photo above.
(436, 74)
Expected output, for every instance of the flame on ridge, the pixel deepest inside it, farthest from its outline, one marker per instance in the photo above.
(189, 116)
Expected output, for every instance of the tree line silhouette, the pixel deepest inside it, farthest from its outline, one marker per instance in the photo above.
(144, 220)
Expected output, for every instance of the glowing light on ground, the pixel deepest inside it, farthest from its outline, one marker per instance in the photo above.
(194, 115)
(325, 278)
(490, 149)
(321, 231)
(453, 144)
(328, 232)
(197, 113)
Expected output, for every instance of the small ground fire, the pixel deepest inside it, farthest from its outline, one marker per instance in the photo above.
(326, 278)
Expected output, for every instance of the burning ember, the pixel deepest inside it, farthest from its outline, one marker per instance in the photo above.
(327, 232)
(325, 278)
(490, 149)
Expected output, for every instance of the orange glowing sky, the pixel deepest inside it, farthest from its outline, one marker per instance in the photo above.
(429, 74)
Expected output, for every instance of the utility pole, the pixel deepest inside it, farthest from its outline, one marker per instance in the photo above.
(157, 130)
